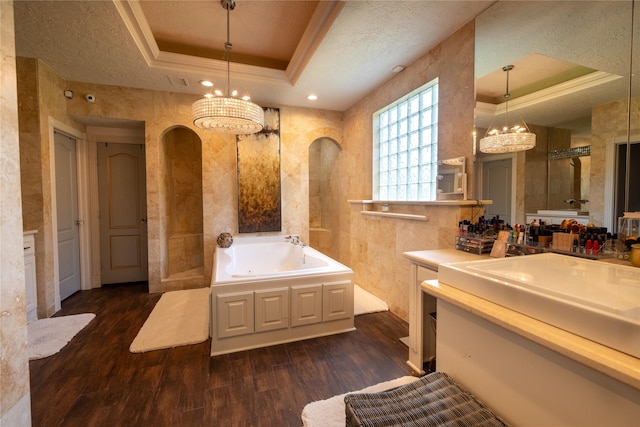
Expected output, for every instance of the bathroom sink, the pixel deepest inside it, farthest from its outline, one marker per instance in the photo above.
(596, 300)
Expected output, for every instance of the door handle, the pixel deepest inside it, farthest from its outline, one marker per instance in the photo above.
(79, 221)
(143, 220)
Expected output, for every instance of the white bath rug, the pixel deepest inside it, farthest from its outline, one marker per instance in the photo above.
(179, 318)
(365, 302)
(330, 412)
(46, 337)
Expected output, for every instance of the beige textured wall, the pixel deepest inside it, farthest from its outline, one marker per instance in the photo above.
(374, 247)
(14, 368)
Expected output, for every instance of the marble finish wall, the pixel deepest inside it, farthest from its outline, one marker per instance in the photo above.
(161, 111)
(40, 94)
(15, 403)
(608, 124)
(323, 205)
(373, 247)
(182, 180)
(451, 62)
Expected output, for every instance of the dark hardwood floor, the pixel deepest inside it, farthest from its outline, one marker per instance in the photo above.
(96, 381)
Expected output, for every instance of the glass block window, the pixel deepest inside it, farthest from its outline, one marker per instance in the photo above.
(405, 147)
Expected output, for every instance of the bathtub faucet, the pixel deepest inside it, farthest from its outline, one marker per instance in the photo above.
(295, 240)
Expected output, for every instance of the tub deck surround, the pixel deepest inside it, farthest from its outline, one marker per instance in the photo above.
(267, 291)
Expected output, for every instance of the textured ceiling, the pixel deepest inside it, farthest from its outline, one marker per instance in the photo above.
(339, 51)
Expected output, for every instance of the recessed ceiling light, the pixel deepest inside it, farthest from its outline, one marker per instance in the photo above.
(312, 97)
(398, 68)
(206, 83)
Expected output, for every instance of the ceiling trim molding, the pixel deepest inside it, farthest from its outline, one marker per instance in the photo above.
(587, 81)
(323, 17)
(137, 25)
(205, 66)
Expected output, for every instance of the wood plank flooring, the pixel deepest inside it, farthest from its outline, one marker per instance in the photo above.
(96, 381)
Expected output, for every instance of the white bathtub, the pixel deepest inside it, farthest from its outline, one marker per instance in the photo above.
(266, 291)
(255, 258)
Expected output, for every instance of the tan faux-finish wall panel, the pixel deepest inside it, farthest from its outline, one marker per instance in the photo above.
(373, 247)
(379, 265)
(15, 402)
(160, 111)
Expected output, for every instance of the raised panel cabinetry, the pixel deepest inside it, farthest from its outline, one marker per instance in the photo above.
(272, 309)
(337, 301)
(234, 314)
(306, 305)
(245, 318)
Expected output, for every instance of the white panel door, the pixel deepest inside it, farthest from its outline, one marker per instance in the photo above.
(123, 222)
(67, 214)
(496, 186)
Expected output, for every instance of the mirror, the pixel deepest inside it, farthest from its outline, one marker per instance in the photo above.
(452, 179)
(571, 85)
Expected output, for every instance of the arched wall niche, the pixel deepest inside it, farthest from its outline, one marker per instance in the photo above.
(182, 258)
(323, 200)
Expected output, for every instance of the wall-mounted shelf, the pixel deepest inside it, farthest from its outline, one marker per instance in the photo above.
(383, 208)
(395, 215)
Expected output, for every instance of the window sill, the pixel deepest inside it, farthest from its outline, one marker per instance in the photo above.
(380, 208)
(436, 203)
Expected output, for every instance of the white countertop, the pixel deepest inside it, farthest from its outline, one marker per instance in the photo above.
(434, 257)
(618, 365)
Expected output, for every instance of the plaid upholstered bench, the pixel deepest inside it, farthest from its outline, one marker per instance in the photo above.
(433, 400)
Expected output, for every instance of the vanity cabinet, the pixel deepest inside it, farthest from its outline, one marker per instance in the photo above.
(244, 318)
(31, 296)
(422, 307)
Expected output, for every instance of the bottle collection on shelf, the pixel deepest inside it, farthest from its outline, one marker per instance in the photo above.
(569, 238)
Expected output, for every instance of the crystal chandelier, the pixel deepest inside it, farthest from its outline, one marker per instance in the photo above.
(511, 137)
(225, 113)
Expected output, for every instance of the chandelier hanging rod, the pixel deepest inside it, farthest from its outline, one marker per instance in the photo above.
(226, 113)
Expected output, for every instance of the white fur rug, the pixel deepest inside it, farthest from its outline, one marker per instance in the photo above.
(365, 302)
(179, 318)
(46, 337)
(330, 412)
